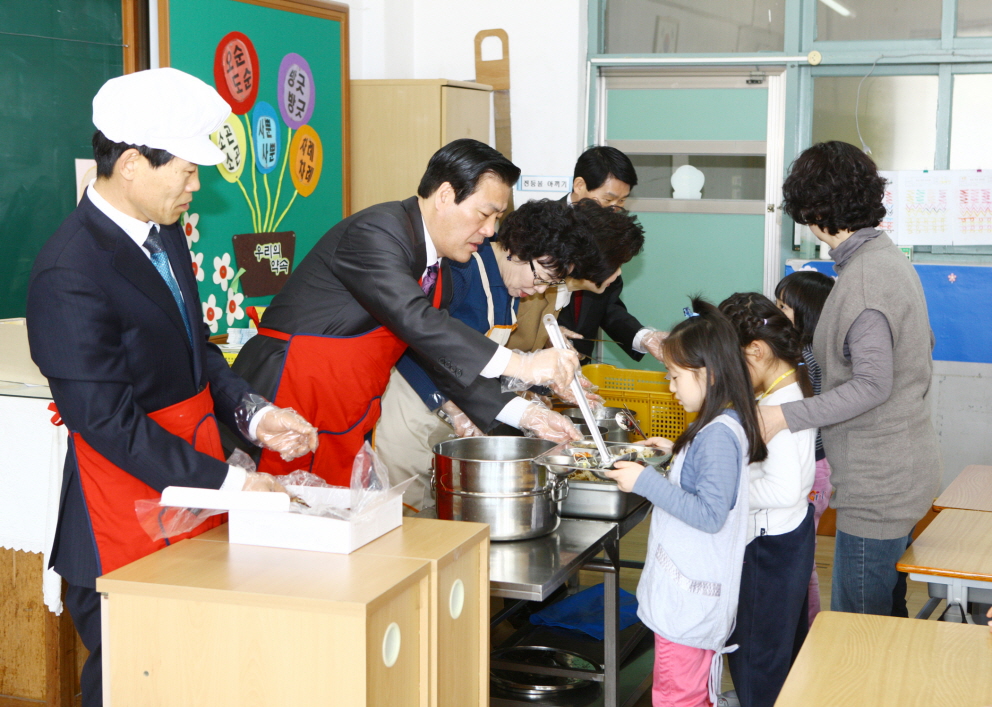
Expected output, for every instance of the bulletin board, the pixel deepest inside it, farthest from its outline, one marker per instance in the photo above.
(283, 67)
(957, 298)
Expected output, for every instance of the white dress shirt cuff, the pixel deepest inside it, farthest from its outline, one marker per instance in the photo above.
(497, 364)
(513, 411)
(638, 338)
(255, 419)
(235, 479)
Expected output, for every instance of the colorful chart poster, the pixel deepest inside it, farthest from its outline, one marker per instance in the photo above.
(939, 207)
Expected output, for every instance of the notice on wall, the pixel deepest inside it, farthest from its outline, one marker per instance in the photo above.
(939, 207)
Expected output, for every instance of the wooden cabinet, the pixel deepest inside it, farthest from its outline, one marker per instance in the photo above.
(396, 125)
(209, 623)
(458, 553)
(40, 653)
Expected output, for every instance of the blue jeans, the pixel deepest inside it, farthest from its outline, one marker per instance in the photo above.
(865, 579)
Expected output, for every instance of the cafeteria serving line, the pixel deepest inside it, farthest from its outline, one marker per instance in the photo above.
(319, 380)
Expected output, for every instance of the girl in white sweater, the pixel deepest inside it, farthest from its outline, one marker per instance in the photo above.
(772, 611)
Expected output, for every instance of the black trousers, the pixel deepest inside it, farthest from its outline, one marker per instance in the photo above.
(83, 604)
(772, 612)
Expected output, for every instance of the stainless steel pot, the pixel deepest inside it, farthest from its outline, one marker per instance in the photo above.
(605, 417)
(494, 480)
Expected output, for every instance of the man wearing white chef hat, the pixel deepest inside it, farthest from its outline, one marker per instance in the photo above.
(114, 323)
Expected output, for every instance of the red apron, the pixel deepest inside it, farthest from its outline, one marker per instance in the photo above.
(335, 383)
(110, 492)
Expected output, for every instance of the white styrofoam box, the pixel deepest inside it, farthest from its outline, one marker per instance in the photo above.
(264, 519)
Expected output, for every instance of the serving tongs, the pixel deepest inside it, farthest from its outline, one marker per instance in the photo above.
(628, 421)
(558, 341)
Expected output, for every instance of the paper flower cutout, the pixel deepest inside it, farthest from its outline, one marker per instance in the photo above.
(211, 313)
(234, 310)
(189, 222)
(197, 265)
(223, 272)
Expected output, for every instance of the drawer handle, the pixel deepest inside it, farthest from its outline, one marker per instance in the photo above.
(391, 645)
(456, 600)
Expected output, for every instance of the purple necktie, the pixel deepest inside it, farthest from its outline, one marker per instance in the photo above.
(430, 277)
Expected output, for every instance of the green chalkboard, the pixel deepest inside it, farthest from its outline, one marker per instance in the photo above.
(220, 210)
(47, 84)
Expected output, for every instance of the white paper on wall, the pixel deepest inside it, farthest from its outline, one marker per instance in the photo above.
(939, 207)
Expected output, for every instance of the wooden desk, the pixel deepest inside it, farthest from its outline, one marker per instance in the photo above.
(215, 624)
(853, 660)
(971, 491)
(954, 557)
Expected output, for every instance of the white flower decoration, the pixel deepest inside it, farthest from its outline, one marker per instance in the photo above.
(223, 272)
(211, 313)
(189, 222)
(197, 265)
(234, 311)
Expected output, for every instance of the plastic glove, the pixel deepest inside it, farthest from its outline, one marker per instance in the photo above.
(550, 367)
(257, 481)
(596, 402)
(540, 421)
(464, 427)
(535, 397)
(282, 430)
(653, 342)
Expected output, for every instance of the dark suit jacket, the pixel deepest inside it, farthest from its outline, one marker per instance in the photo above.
(604, 311)
(482, 400)
(362, 273)
(106, 332)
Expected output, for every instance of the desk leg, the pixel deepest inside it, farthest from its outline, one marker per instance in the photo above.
(957, 593)
(611, 623)
(928, 608)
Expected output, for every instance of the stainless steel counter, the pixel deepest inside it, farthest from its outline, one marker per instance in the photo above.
(532, 569)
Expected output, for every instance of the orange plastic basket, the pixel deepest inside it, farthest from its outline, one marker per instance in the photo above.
(646, 393)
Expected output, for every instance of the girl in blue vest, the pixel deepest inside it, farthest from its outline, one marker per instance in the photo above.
(689, 588)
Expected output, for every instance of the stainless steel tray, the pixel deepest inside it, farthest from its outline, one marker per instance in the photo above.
(598, 499)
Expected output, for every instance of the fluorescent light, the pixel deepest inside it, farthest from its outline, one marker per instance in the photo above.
(838, 8)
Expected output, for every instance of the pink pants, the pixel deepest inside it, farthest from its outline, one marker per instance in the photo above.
(681, 675)
(820, 498)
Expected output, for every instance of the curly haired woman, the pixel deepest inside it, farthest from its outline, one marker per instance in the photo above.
(873, 343)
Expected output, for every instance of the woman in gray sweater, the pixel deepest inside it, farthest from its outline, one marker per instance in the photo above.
(873, 343)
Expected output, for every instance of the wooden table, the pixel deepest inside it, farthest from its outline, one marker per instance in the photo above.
(970, 491)
(954, 557)
(853, 660)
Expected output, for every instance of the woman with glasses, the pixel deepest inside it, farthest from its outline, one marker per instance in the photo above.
(537, 247)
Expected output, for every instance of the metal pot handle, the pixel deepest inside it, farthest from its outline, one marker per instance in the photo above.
(559, 489)
(433, 479)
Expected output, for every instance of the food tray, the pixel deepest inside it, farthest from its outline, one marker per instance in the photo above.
(646, 393)
(557, 459)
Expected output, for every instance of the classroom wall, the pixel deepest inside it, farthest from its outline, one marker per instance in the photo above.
(421, 39)
(435, 39)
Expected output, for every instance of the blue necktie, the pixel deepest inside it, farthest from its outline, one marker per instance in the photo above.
(160, 259)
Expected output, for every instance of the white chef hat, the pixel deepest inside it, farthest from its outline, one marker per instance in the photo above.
(165, 109)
